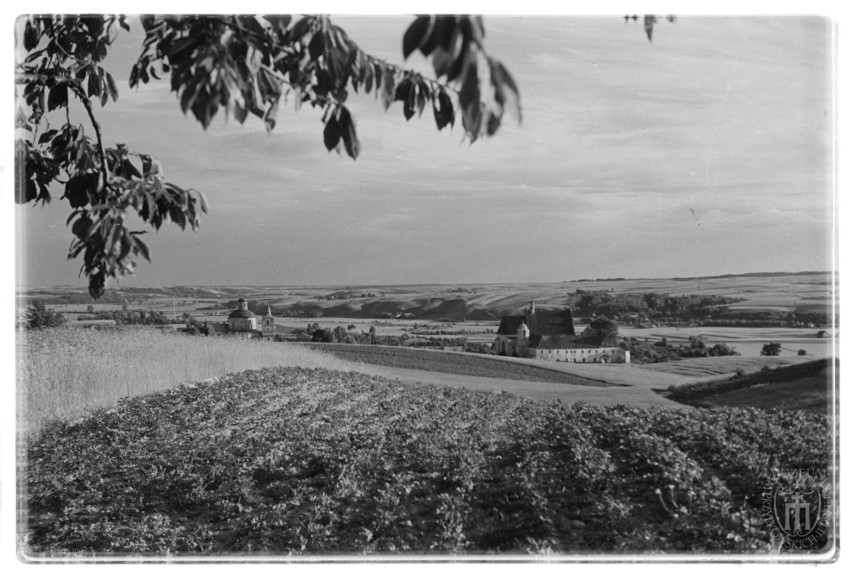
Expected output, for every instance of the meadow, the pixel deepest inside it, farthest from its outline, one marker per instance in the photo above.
(64, 372)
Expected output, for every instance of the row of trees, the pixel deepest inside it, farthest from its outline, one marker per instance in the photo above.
(662, 351)
(591, 303)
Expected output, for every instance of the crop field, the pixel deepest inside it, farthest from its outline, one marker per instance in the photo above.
(454, 363)
(291, 461)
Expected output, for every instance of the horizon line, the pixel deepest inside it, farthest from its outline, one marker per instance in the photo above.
(364, 285)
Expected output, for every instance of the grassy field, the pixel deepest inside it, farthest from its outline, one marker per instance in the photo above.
(63, 372)
(292, 461)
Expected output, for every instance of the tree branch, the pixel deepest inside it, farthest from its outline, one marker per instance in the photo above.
(78, 90)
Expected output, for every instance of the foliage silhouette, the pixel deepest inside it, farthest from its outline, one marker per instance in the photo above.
(242, 65)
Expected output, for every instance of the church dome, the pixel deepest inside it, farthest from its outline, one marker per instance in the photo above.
(242, 314)
(242, 310)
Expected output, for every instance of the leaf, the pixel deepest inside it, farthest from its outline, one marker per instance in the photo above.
(316, 47)
(347, 131)
(58, 97)
(240, 112)
(421, 97)
(493, 124)
(415, 35)
(279, 22)
(388, 90)
(93, 85)
(78, 187)
(443, 109)
(458, 66)
(403, 90)
(501, 78)
(469, 93)
(442, 61)
(31, 36)
(81, 227)
(47, 136)
(177, 216)
(270, 117)
(30, 193)
(104, 94)
(113, 90)
(331, 133)
(142, 248)
(368, 78)
(43, 194)
(444, 31)
(96, 285)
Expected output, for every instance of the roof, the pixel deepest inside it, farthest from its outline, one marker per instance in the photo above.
(541, 323)
(241, 314)
(509, 324)
(585, 341)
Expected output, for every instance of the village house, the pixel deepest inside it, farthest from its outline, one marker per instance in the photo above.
(549, 335)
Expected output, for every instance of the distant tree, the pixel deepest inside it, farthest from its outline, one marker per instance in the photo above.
(721, 350)
(90, 309)
(339, 334)
(801, 352)
(193, 327)
(771, 349)
(40, 316)
(603, 325)
(322, 336)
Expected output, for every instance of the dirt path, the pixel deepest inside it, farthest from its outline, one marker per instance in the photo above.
(636, 396)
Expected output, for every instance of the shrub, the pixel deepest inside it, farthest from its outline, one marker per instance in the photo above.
(39, 316)
(771, 349)
(802, 352)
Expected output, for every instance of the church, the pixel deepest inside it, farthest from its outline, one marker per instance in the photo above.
(244, 321)
(549, 335)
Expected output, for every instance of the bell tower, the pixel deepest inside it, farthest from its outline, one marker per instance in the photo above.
(268, 324)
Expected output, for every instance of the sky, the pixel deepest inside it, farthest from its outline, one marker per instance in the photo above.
(708, 151)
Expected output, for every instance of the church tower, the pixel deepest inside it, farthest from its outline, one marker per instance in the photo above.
(268, 324)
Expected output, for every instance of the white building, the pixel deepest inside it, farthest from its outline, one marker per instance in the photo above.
(549, 335)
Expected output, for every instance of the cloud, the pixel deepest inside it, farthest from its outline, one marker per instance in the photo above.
(632, 159)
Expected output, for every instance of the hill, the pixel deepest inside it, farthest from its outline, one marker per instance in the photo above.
(799, 293)
(805, 386)
(291, 461)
